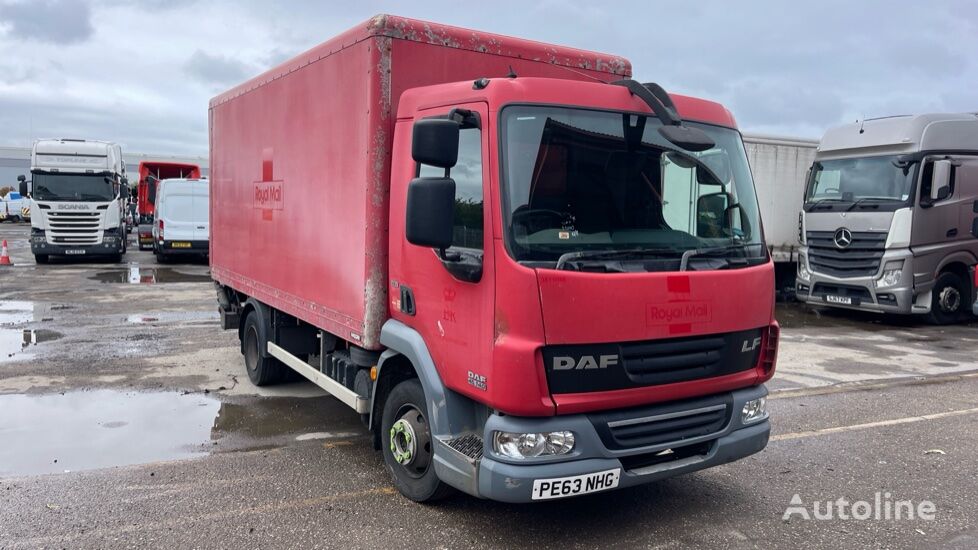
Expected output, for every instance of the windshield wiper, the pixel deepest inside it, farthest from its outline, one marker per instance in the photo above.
(814, 205)
(865, 199)
(610, 254)
(684, 263)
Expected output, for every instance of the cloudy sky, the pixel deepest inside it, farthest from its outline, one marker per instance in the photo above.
(141, 72)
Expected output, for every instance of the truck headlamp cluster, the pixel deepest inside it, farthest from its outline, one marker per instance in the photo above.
(892, 273)
(754, 410)
(529, 445)
(804, 273)
(37, 235)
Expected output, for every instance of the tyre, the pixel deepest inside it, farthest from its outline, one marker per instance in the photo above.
(160, 257)
(407, 444)
(263, 371)
(948, 300)
(41, 258)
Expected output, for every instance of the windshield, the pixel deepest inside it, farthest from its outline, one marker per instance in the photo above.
(72, 187)
(579, 195)
(870, 181)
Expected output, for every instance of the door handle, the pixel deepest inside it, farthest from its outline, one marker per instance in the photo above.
(407, 300)
(952, 232)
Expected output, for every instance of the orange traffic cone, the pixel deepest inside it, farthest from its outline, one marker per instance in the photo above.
(4, 257)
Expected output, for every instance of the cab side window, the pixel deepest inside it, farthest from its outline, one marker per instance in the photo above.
(467, 174)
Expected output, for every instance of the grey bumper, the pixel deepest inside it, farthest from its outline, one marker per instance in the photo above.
(508, 480)
(46, 248)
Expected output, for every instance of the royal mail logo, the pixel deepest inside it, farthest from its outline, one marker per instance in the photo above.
(678, 312)
(269, 195)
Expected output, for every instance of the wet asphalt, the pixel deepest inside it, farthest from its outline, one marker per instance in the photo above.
(126, 419)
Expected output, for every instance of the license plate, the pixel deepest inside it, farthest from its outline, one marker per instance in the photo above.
(560, 487)
(74, 252)
(180, 245)
(845, 300)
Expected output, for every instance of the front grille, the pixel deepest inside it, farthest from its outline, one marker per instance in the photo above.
(74, 228)
(578, 368)
(673, 424)
(861, 258)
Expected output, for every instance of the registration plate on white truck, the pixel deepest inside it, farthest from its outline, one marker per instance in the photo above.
(845, 300)
(560, 487)
(73, 252)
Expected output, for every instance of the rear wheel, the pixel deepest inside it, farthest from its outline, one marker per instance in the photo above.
(262, 371)
(948, 300)
(407, 444)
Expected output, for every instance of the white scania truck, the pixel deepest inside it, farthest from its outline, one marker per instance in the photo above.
(78, 194)
(890, 219)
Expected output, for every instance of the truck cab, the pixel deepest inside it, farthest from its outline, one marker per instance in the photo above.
(890, 217)
(79, 191)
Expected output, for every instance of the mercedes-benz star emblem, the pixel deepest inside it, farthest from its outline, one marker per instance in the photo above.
(843, 237)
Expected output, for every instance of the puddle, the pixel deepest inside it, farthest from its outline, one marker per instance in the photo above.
(84, 430)
(136, 275)
(16, 312)
(15, 346)
(172, 316)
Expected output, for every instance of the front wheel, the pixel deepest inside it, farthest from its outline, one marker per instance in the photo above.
(947, 300)
(407, 444)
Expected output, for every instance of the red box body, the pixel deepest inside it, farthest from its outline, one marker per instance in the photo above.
(160, 170)
(301, 159)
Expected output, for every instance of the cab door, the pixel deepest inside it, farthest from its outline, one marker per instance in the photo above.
(442, 298)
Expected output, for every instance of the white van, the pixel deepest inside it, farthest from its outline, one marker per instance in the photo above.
(182, 218)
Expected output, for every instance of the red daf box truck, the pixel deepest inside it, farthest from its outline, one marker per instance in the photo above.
(532, 276)
(151, 172)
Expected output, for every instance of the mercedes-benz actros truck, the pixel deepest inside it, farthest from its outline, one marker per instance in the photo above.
(890, 217)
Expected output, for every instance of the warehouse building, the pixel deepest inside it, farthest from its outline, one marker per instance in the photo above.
(17, 160)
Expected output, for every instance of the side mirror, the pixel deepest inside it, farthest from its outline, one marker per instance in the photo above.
(22, 187)
(940, 187)
(22, 178)
(124, 190)
(124, 180)
(711, 214)
(434, 142)
(431, 212)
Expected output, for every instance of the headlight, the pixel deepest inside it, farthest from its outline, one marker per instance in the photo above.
(754, 410)
(527, 445)
(892, 273)
(803, 271)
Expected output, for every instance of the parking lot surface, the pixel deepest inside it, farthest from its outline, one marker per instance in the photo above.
(126, 418)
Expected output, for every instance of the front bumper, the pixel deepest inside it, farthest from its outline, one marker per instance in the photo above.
(46, 248)
(821, 289)
(508, 480)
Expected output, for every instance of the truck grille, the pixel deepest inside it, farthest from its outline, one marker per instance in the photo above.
(861, 258)
(671, 424)
(78, 228)
(650, 362)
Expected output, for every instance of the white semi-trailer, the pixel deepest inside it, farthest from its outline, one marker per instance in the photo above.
(78, 195)
(780, 167)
